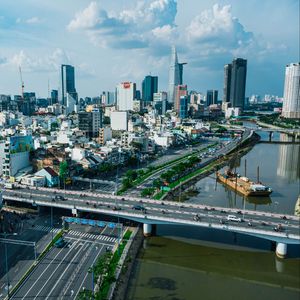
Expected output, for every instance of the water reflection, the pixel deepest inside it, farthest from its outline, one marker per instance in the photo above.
(288, 163)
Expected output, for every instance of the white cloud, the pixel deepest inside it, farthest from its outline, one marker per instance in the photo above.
(218, 26)
(33, 20)
(29, 63)
(130, 28)
(30, 21)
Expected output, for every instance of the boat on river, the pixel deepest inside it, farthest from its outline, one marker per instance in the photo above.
(243, 184)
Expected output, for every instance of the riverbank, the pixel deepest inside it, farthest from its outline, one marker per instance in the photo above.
(122, 283)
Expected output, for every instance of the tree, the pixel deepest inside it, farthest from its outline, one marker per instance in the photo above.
(157, 183)
(63, 171)
(126, 183)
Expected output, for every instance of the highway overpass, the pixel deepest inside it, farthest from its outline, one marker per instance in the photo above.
(151, 212)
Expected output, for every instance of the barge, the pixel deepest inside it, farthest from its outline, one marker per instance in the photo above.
(243, 184)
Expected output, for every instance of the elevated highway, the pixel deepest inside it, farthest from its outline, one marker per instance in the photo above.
(151, 212)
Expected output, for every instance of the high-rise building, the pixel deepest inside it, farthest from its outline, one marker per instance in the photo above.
(149, 87)
(160, 102)
(67, 83)
(183, 107)
(180, 90)
(211, 97)
(125, 95)
(90, 122)
(238, 82)
(107, 98)
(291, 97)
(175, 75)
(54, 97)
(227, 83)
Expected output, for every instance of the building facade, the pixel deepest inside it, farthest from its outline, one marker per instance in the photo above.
(211, 97)
(125, 95)
(149, 87)
(227, 83)
(90, 122)
(180, 90)
(238, 82)
(67, 83)
(291, 97)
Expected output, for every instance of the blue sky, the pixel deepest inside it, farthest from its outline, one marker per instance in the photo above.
(112, 41)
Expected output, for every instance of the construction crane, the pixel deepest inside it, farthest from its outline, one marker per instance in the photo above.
(22, 82)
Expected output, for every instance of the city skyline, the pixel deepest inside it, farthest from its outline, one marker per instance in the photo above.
(108, 43)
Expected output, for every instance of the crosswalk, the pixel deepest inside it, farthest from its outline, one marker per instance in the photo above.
(46, 228)
(78, 234)
(92, 236)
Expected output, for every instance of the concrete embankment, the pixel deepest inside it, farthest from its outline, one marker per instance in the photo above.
(122, 283)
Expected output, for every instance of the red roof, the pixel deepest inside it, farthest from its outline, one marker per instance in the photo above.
(51, 171)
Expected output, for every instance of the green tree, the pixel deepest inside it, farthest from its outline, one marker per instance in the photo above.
(63, 171)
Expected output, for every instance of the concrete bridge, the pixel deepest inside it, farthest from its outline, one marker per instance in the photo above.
(152, 212)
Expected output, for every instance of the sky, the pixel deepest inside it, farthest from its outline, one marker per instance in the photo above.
(113, 41)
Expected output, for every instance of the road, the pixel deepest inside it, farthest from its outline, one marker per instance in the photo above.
(19, 257)
(206, 158)
(63, 272)
(157, 211)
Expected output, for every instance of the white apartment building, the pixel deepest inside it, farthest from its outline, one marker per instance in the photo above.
(125, 95)
(291, 97)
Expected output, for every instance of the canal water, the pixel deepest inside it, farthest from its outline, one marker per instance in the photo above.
(192, 265)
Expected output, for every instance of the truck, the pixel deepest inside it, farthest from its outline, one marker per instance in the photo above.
(60, 243)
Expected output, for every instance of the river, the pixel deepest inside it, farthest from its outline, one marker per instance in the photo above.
(190, 265)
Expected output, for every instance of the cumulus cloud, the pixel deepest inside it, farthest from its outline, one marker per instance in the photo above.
(130, 28)
(31, 63)
(218, 26)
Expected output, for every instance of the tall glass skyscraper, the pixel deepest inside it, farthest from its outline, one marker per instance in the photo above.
(149, 87)
(67, 83)
(175, 75)
(235, 82)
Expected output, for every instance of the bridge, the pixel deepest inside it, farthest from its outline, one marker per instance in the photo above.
(153, 212)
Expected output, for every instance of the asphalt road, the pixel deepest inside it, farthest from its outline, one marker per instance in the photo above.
(64, 271)
(169, 211)
(19, 257)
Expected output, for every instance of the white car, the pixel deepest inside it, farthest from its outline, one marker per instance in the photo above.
(233, 218)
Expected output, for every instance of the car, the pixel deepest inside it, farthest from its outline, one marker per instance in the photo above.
(60, 243)
(223, 211)
(162, 203)
(263, 223)
(239, 212)
(123, 199)
(116, 208)
(196, 218)
(278, 228)
(249, 224)
(233, 218)
(284, 218)
(138, 207)
(222, 221)
(58, 198)
(163, 211)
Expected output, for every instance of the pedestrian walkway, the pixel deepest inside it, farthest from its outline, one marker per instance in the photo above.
(46, 228)
(91, 236)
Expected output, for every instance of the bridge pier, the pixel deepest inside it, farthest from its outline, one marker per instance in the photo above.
(147, 229)
(270, 136)
(281, 250)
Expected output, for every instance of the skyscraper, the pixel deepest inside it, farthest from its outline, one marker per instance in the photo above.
(125, 95)
(180, 90)
(149, 87)
(238, 82)
(227, 83)
(175, 75)
(67, 83)
(211, 97)
(291, 96)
